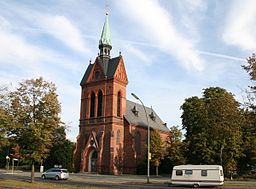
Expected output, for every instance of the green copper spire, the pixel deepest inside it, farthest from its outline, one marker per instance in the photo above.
(105, 35)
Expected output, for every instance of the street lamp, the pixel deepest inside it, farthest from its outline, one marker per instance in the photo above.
(149, 155)
(7, 162)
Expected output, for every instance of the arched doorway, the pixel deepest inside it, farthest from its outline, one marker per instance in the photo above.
(92, 164)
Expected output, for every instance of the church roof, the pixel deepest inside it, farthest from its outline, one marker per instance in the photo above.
(135, 114)
(108, 66)
(86, 74)
(105, 35)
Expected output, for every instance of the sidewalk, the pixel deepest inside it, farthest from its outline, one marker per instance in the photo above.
(120, 179)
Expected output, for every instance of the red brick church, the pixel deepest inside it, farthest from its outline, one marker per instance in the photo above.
(113, 130)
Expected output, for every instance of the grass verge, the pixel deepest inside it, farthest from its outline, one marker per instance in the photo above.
(17, 184)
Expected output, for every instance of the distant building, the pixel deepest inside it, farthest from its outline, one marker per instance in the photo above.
(113, 131)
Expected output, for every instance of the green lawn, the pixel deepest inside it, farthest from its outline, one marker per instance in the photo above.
(40, 185)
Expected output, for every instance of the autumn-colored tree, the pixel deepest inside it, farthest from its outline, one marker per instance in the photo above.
(6, 142)
(156, 149)
(35, 109)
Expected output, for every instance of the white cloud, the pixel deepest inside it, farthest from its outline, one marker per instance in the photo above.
(189, 16)
(155, 25)
(62, 29)
(221, 56)
(194, 5)
(4, 23)
(138, 53)
(241, 25)
(15, 50)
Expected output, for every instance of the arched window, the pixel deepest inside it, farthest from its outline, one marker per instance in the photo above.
(99, 113)
(119, 104)
(92, 104)
(118, 137)
(137, 142)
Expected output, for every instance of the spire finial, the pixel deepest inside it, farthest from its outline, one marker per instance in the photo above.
(105, 35)
(107, 7)
(105, 44)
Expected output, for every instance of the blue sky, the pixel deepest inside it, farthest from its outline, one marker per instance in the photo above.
(173, 49)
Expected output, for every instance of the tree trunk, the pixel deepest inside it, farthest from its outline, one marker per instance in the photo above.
(32, 172)
(156, 170)
(221, 152)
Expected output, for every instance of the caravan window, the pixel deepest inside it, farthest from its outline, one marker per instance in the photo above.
(188, 172)
(179, 172)
(204, 173)
(221, 173)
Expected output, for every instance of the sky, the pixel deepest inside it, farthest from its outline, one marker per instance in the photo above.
(172, 49)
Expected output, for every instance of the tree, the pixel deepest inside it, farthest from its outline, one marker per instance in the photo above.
(225, 120)
(6, 140)
(197, 148)
(248, 160)
(213, 128)
(61, 155)
(35, 108)
(5, 117)
(62, 151)
(156, 149)
(174, 150)
(250, 68)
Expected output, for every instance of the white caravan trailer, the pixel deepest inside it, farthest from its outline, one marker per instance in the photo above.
(198, 175)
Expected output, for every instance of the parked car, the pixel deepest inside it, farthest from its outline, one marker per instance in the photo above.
(56, 173)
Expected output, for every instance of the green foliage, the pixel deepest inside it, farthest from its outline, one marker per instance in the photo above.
(5, 117)
(62, 151)
(30, 126)
(250, 68)
(35, 109)
(61, 154)
(174, 150)
(156, 149)
(248, 159)
(213, 128)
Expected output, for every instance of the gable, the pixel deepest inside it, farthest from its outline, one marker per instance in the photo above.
(92, 141)
(120, 73)
(96, 72)
(105, 68)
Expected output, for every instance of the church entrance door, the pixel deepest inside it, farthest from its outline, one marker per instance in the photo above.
(92, 164)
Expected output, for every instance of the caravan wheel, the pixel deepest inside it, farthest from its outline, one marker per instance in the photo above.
(196, 185)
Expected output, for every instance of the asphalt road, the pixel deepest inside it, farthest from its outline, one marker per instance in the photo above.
(123, 181)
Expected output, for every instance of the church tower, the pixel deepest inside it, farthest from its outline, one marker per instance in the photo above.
(103, 105)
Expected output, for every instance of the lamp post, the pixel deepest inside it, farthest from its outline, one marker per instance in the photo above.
(149, 155)
(7, 162)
